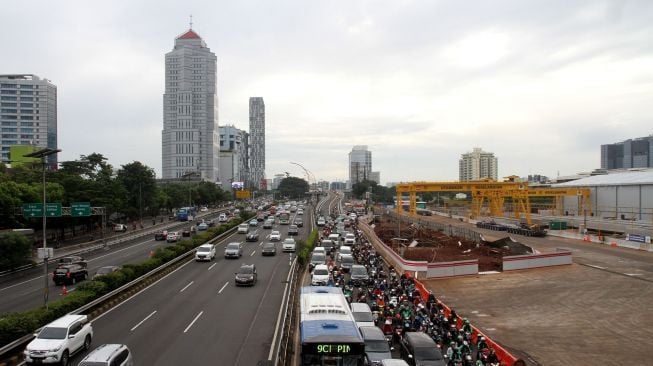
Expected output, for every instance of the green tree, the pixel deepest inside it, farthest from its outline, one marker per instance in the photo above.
(293, 187)
(15, 251)
(138, 181)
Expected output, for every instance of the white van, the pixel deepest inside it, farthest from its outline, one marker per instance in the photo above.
(320, 275)
(362, 314)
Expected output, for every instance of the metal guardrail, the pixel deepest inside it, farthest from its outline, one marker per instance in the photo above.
(9, 353)
(288, 323)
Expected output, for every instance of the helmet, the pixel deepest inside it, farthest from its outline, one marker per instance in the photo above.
(465, 321)
(482, 339)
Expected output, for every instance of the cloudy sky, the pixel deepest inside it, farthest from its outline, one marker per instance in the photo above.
(542, 84)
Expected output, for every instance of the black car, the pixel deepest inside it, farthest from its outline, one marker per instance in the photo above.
(161, 235)
(269, 249)
(69, 274)
(292, 230)
(246, 275)
(418, 349)
(358, 275)
(185, 232)
(253, 236)
(299, 222)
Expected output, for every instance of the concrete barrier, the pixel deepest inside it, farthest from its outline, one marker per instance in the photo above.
(450, 269)
(517, 262)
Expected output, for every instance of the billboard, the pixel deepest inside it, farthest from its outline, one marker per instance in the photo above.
(237, 185)
(243, 195)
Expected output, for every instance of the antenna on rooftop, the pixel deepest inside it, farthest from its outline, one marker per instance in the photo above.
(191, 21)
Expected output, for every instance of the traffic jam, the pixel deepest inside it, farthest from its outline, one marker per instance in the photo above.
(416, 327)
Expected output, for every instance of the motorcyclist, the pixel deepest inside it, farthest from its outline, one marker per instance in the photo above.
(467, 328)
(464, 348)
(480, 346)
(450, 349)
(492, 357)
(405, 310)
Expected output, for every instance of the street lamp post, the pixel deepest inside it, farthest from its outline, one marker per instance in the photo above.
(42, 154)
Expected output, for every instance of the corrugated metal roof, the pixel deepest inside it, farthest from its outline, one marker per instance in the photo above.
(614, 179)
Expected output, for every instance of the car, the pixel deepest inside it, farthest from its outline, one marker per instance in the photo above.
(418, 349)
(185, 232)
(299, 222)
(210, 222)
(204, 209)
(253, 236)
(289, 245)
(268, 224)
(119, 228)
(293, 230)
(246, 275)
(243, 229)
(269, 249)
(253, 222)
(275, 235)
(316, 259)
(223, 217)
(335, 238)
(59, 340)
(300, 211)
(161, 235)
(202, 226)
(173, 237)
(69, 274)
(350, 239)
(362, 315)
(393, 362)
(320, 275)
(104, 271)
(233, 250)
(205, 252)
(321, 221)
(109, 355)
(327, 245)
(346, 262)
(376, 345)
(72, 259)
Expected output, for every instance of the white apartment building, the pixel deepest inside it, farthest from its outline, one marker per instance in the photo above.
(28, 114)
(360, 165)
(477, 165)
(190, 138)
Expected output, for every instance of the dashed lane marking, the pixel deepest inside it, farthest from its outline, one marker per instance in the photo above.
(185, 287)
(143, 321)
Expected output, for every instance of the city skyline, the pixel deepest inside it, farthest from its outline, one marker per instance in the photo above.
(416, 81)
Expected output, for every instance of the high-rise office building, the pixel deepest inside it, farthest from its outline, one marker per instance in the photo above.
(257, 142)
(360, 165)
(28, 106)
(233, 155)
(478, 164)
(190, 110)
(375, 177)
(632, 153)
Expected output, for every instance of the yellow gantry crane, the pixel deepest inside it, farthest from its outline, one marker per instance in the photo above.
(494, 194)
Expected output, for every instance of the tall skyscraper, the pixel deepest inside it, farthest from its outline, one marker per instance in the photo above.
(28, 106)
(360, 165)
(477, 164)
(632, 153)
(257, 142)
(233, 155)
(190, 110)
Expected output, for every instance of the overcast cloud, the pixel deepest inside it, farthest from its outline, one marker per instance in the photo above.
(542, 84)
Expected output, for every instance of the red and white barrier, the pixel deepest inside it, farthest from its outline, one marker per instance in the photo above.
(517, 262)
(450, 269)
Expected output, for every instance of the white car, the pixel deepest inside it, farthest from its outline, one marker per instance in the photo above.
(205, 252)
(320, 275)
(243, 228)
(275, 235)
(350, 239)
(57, 341)
(222, 218)
(321, 221)
(173, 236)
(300, 212)
(289, 245)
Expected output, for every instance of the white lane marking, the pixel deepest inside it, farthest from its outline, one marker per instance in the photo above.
(213, 265)
(193, 322)
(251, 255)
(225, 285)
(259, 244)
(490, 329)
(185, 287)
(140, 292)
(593, 266)
(276, 328)
(627, 274)
(143, 321)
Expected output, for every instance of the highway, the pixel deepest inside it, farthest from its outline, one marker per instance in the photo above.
(24, 290)
(195, 315)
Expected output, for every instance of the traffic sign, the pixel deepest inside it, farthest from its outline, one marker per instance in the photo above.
(32, 209)
(78, 209)
(53, 209)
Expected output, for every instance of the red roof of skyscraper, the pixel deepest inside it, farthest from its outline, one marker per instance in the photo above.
(189, 35)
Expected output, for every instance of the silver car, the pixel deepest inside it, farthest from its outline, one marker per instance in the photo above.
(233, 250)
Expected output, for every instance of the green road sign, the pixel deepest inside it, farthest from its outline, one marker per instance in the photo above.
(53, 209)
(78, 209)
(33, 210)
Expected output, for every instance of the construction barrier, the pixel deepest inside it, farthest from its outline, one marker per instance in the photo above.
(450, 269)
(517, 262)
(505, 357)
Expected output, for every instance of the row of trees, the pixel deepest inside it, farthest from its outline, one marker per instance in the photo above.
(129, 192)
(379, 193)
